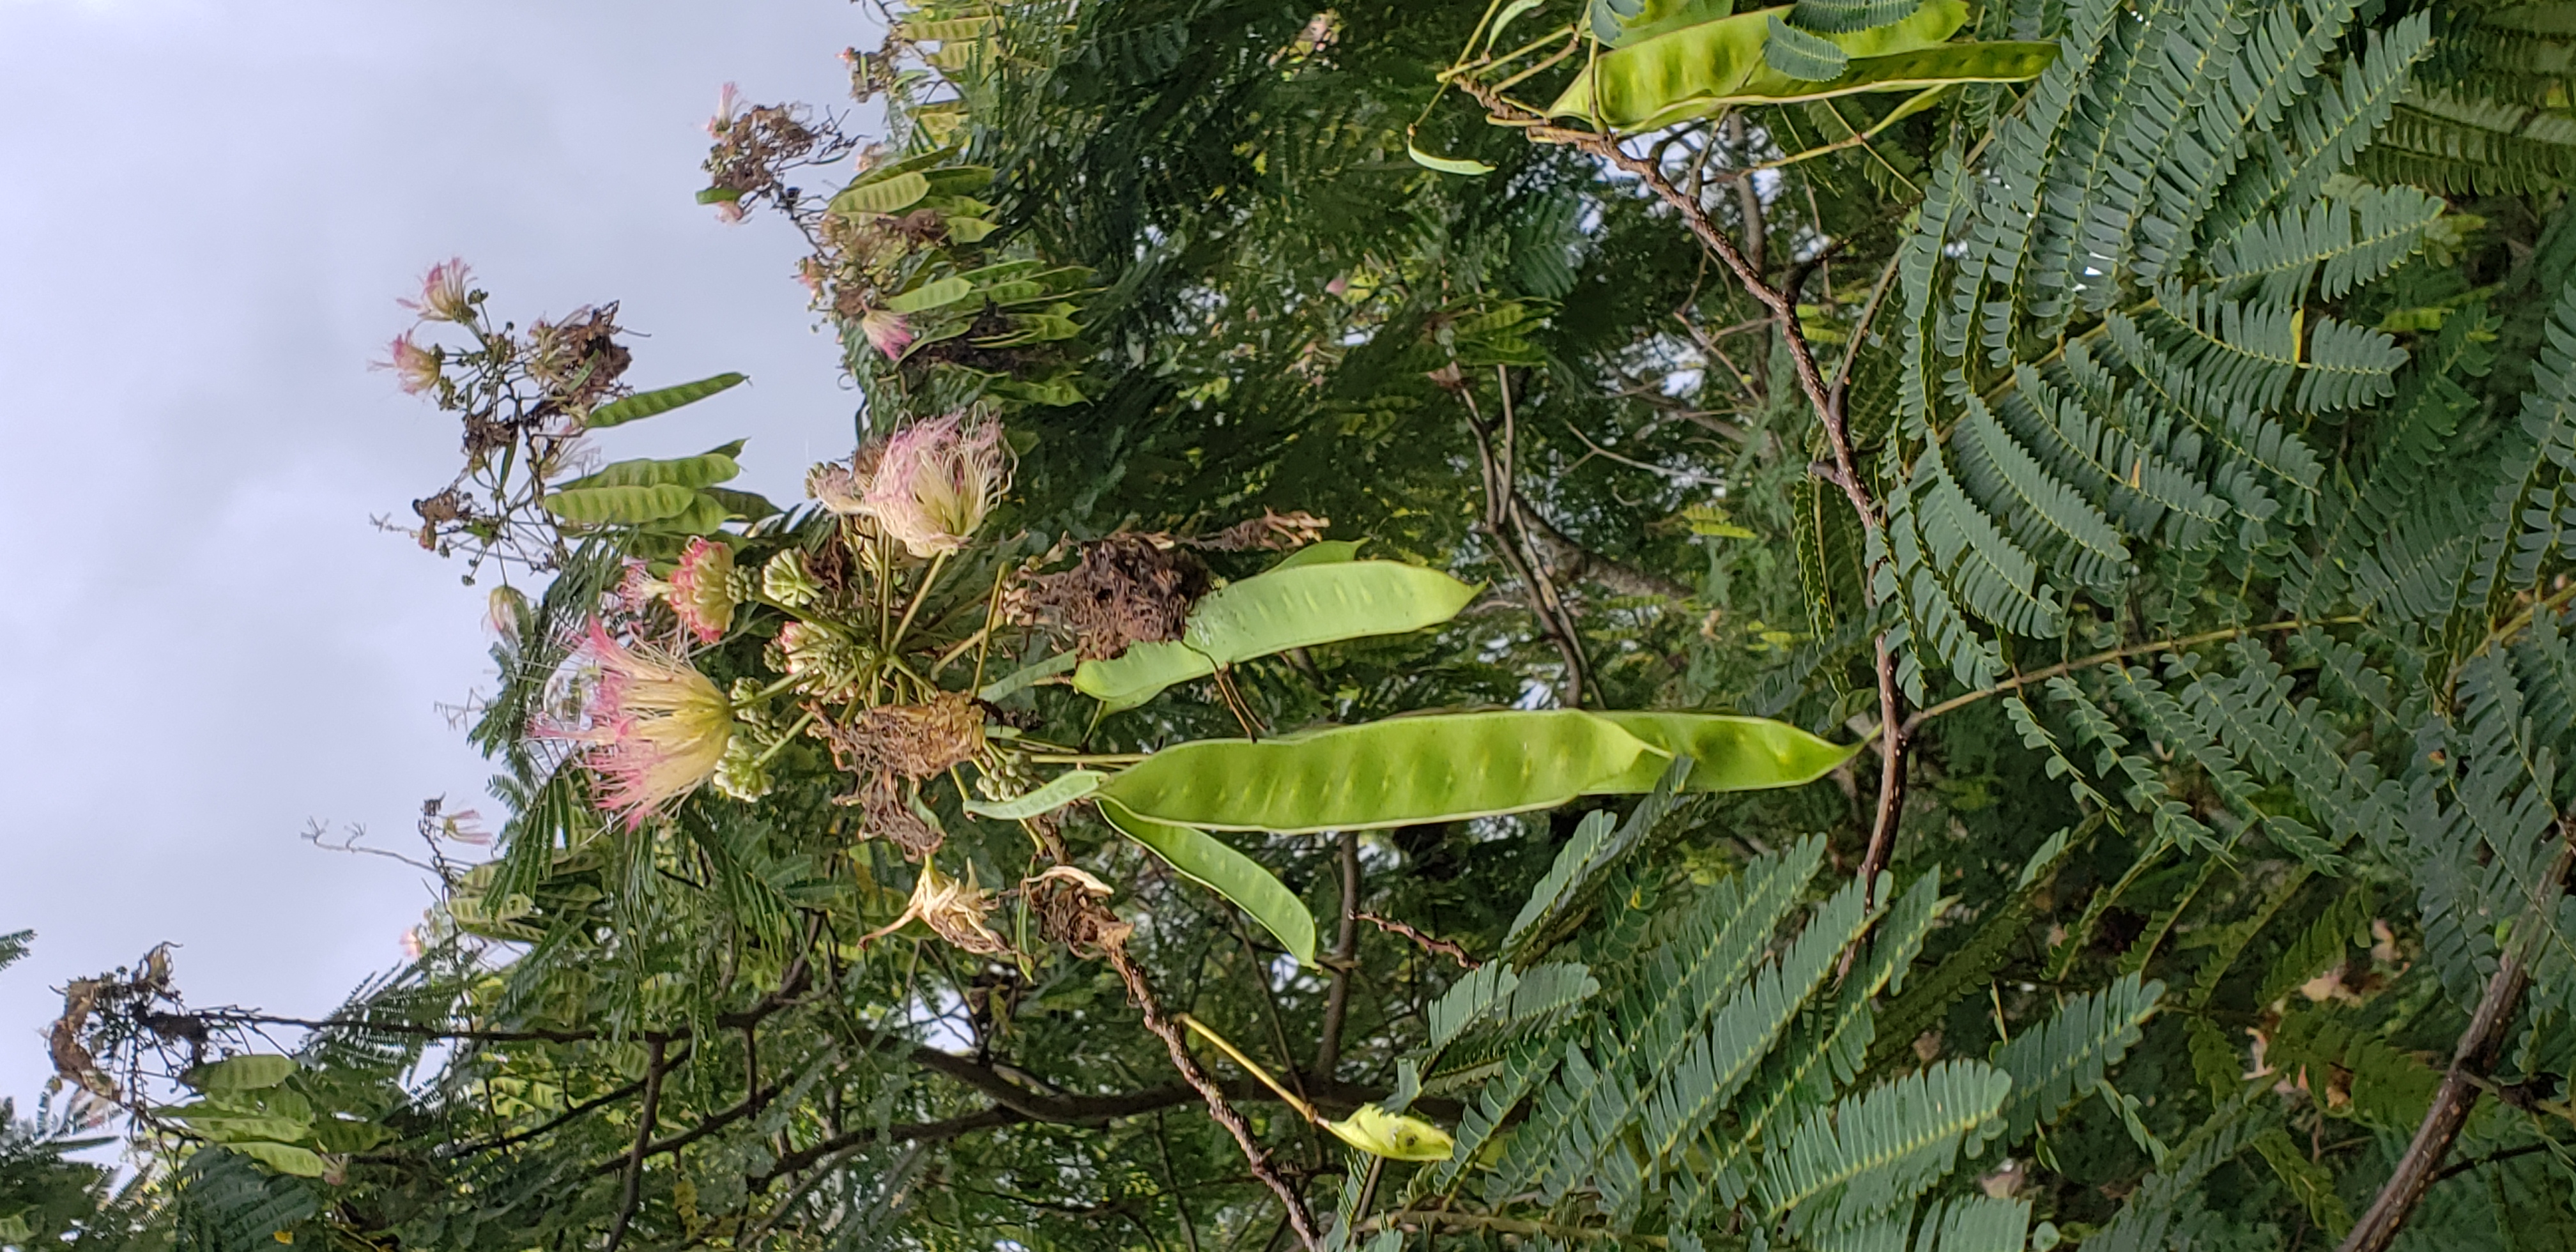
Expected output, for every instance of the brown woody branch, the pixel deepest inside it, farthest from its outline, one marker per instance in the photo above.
(1114, 946)
(2471, 1060)
(633, 1193)
(1444, 947)
(1346, 946)
(1811, 381)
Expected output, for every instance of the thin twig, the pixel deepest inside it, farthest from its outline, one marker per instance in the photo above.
(633, 1192)
(1346, 945)
(1219, 1107)
(1510, 548)
(1444, 947)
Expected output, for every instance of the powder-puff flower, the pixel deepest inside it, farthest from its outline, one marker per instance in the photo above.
(657, 727)
(727, 100)
(700, 592)
(411, 945)
(446, 293)
(887, 332)
(935, 482)
(415, 368)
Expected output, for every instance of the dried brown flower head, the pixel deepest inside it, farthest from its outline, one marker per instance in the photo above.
(1128, 589)
(578, 359)
(914, 740)
(1071, 909)
(886, 811)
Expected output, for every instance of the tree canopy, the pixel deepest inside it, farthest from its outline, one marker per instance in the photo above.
(1870, 624)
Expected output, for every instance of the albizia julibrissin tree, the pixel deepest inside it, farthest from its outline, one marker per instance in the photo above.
(1857, 625)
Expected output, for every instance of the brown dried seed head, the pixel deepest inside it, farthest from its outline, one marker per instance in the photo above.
(1128, 589)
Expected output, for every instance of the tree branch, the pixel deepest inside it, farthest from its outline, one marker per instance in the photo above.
(1502, 524)
(1346, 945)
(1445, 947)
(1560, 556)
(1114, 947)
(2471, 1059)
(633, 1194)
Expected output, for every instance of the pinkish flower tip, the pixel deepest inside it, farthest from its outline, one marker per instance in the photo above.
(887, 332)
(415, 368)
(446, 293)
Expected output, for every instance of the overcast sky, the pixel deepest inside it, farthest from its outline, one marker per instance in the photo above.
(211, 207)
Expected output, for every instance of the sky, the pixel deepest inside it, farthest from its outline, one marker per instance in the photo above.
(212, 207)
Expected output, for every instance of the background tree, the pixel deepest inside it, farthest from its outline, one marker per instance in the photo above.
(2144, 425)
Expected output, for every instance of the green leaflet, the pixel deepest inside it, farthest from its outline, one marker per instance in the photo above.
(623, 506)
(1228, 873)
(1302, 605)
(240, 1128)
(703, 470)
(944, 29)
(1684, 72)
(644, 404)
(1392, 773)
(285, 1158)
(885, 195)
(242, 1073)
(1140, 673)
(931, 295)
(1728, 753)
(1059, 791)
(1867, 1153)
(1802, 55)
(1026, 676)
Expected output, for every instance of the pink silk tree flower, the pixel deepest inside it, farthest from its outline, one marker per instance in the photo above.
(936, 481)
(446, 293)
(887, 332)
(657, 728)
(700, 589)
(727, 101)
(415, 368)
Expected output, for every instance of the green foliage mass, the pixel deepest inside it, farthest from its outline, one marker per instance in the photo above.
(2163, 410)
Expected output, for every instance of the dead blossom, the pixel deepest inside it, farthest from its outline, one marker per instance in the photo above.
(1128, 589)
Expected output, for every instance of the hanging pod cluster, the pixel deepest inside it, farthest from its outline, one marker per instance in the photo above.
(1773, 56)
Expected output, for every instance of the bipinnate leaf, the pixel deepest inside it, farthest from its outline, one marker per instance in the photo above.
(2059, 1062)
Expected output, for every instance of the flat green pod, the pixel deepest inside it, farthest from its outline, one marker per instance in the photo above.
(1436, 768)
(1315, 596)
(1728, 753)
(1140, 673)
(1306, 604)
(2001, 61)
(1221, 869)
(1684, 72)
